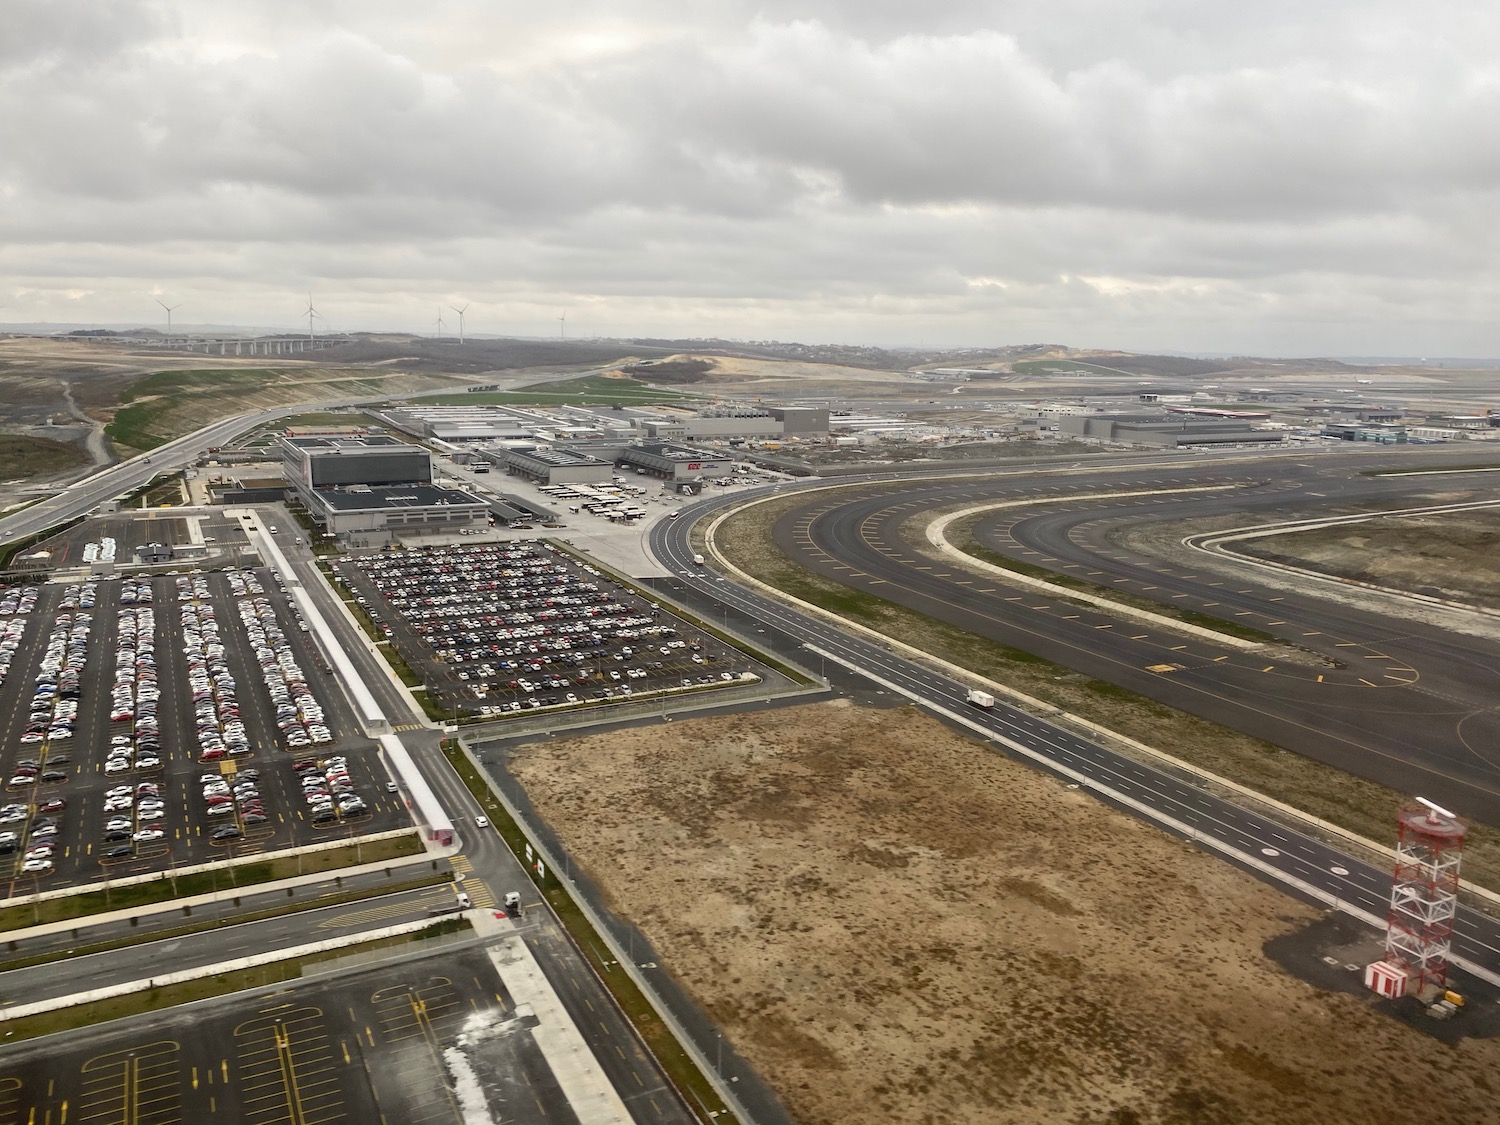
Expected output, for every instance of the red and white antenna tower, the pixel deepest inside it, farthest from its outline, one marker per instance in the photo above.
(1424, 893)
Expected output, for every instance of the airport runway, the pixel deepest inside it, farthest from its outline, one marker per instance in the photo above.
(1401, 702)
(1297, 863)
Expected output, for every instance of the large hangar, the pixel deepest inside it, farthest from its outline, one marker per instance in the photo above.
(672, 462)
(555, 465)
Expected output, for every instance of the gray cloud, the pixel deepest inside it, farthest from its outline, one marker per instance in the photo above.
(1130, 172)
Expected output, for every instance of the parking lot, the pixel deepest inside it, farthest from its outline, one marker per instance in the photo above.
(381, 1045)
(200, 537)
(499, 628)
(155, 722)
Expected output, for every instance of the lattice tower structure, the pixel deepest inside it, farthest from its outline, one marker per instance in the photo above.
(1424, 894)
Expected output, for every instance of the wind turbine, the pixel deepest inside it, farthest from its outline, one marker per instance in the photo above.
(562, 326)
(460, 313)
(311, 313)
(440, 322)
(169, 309)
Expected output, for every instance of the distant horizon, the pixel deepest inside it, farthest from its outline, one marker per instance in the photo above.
(58, 328)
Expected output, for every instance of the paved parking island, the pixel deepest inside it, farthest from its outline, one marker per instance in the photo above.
(151, 723)
(422, 1042)
(500, 628)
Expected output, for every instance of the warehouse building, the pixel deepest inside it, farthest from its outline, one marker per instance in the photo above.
(811, 421)
(737, 422)
(554, 465)
(313, 463)
(671, 462)
(374, 515)
(368, 490)
(1165, 433)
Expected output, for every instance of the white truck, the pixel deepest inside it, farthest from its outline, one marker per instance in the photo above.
(697, 560)
(981, 698)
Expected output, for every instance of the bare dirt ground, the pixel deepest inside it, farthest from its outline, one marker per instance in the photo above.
(754, 376)
(895, 924)
(1453, 556)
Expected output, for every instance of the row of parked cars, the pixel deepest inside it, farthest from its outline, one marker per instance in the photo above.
(18, 600)
(529, 611)
(514, 618)
(216, 709)
(329, 790)
(135, 696)
(235, 797)
(136, 592)
(34, 831)
(10, 640)
(53, 712)
(299, 715)
(133, 816)
(79, 595)
(15, 603)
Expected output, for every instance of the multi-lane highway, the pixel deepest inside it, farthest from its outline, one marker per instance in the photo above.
(1303, 865)
(1399, 701)
(95, 489)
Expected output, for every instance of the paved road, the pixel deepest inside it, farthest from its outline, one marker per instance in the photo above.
(228, 906)
(223, 943)
(1270, 850)
(487, 863)
(1405, 704)
(85, 494)
(108, 483)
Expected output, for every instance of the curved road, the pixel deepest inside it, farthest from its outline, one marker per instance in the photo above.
(1401, 702)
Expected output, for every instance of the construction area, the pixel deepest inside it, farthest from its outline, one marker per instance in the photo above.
(893, 923)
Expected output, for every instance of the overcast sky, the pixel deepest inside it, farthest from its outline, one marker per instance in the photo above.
(1268, 177)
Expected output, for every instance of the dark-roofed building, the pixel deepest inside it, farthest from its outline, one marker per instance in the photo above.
(372, 488)
(314, 462)
(555, 465)
(668, 461)
(376, 513)
(1160, 431)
